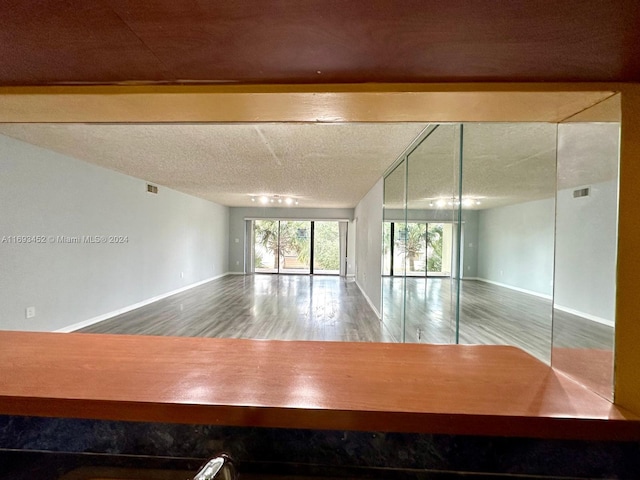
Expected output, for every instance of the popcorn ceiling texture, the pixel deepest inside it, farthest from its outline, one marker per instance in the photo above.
(335, 165)
(328, 166)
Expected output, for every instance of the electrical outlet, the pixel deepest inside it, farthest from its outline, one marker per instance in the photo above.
(181, 274)
(30, 312)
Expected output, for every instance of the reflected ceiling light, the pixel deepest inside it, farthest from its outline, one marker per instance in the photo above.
(253, 199)
(455, 202)
(264, 199)
(288, 201)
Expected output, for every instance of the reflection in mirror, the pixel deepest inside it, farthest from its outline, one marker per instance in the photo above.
(586, 234)
(433, 185)
(393, 251)
(508, 207)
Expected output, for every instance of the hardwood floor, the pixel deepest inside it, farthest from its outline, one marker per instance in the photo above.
(302, 307)
(275, 307)
(489, 314)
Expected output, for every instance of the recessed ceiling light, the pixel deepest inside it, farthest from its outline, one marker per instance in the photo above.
(441, 203)
(264, 199)
(288, 201)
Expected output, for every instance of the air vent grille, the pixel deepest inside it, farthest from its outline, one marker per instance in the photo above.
(581, 192)
(152, 188)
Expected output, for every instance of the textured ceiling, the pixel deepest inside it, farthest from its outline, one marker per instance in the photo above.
(317, 41)
(503, 164)
(334, 165)
(321, 165)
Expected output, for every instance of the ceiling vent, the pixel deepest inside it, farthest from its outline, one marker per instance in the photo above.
(581, 192)
(152, 188)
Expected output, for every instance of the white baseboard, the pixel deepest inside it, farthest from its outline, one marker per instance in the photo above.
(234, 273)
(350, 275)
(517, 289)
(120, 311)
(373, 307)
(588, 316)
(562, 308)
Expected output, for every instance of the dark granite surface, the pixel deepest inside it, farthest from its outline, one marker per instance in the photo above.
(360, 453)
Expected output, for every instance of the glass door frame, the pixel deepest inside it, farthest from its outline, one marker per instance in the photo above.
(279, 270)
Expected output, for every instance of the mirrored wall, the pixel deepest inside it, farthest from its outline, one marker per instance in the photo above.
(504, 234)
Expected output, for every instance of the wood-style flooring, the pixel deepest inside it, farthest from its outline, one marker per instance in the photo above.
(489, 315)
(303, 307)
(272, 307)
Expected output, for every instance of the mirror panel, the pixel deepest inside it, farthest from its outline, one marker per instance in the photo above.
(586, 256)
(537, 208)
(433, 184)
(508, 205)
(393, 251)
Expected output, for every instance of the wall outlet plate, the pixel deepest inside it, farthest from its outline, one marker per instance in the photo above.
(30, 312)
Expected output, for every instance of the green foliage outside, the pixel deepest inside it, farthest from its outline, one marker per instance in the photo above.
(326, 255)
(434, 247)
(295, 239)
(411, 242)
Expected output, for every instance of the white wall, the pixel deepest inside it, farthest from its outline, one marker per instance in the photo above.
(585, 281)
(368, 216)
(47, 194)
(515, 246)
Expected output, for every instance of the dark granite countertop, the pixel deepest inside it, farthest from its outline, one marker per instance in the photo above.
(32, 465)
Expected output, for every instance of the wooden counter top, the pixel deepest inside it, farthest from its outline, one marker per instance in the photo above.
(457, 389)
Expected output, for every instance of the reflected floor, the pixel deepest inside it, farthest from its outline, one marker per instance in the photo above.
(303, 307)
(489, 314)
(273, 307)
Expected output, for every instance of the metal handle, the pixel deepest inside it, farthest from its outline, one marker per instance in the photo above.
(219, 468)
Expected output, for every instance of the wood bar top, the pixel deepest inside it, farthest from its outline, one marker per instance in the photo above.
(453, 389)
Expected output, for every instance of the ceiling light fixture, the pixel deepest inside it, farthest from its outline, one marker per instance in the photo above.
(266, 199)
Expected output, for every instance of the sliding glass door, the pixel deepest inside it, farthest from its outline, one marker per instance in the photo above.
(326, 248)
(296, 247)
(266, 246)
(419, 250)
